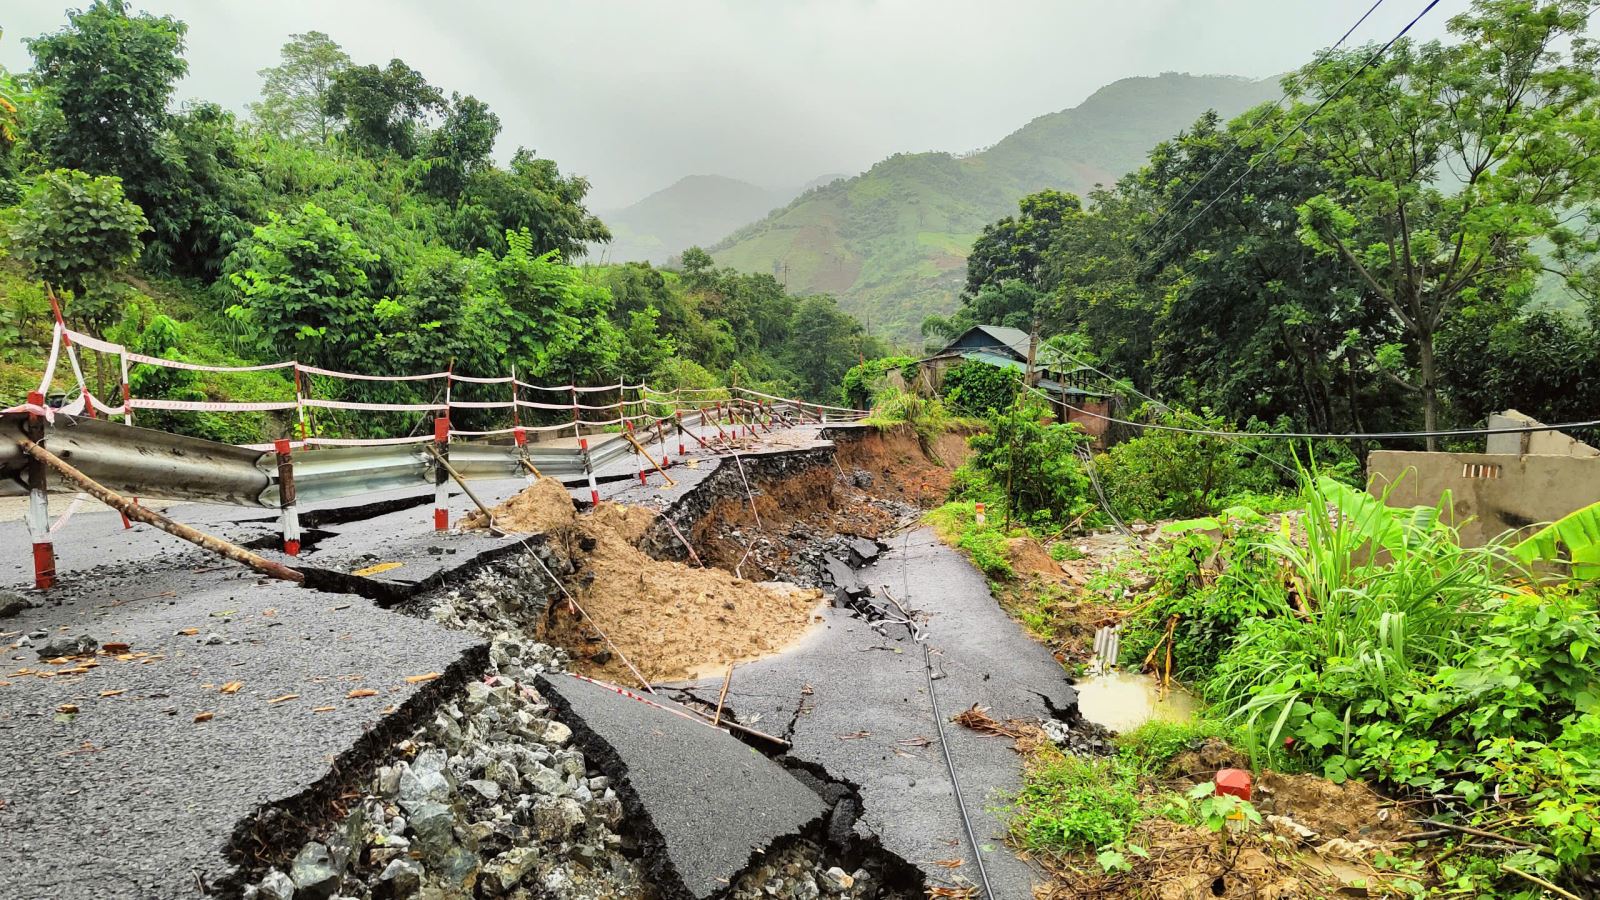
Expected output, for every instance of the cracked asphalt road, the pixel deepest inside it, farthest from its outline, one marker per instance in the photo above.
(867, 718)
(130, 796)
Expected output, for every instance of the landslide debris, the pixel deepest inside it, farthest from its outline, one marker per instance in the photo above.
(672, 620)
(488, 800)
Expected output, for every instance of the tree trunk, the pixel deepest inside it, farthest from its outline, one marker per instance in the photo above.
(1428, 370)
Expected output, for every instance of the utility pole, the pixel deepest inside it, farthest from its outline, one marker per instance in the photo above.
(1016, 403)
(1031, 378)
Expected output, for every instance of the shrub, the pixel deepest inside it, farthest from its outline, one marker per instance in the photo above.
(864, 381)
(1070, 803)
(980, 389)
(1035, 463)
(1164, 474)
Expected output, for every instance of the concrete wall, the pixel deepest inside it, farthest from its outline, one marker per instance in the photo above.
(1533, 443)
(1496, 492)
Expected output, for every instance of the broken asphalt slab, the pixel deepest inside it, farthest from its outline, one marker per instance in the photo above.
(130, 796)
(853, 696)
(704, 803)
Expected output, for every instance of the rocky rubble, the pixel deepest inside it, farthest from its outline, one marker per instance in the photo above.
(488, 800)
(802, 871)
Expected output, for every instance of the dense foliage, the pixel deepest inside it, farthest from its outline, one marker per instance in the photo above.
(357, 221)
(1387, 267)
(1362, 640)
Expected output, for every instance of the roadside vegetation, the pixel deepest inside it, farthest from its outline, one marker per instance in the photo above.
(357, 219)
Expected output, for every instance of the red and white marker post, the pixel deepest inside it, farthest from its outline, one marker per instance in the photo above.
(289, 510)
(441, 498)
(44, 552)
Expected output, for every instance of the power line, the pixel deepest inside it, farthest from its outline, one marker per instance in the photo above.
(1351, 436)
(1298, 126)
(1173, 207)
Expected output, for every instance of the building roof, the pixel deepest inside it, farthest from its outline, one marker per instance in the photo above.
(994, 338)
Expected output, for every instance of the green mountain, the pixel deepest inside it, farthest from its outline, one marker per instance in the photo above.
(892, 242)
(694, 211)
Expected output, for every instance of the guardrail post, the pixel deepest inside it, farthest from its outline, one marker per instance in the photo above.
(627, 428)
(677, 417)
(290, 511)
(441, 500)
(44, 552)
(588, 471)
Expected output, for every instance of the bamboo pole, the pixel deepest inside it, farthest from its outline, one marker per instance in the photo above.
(528, 464)
(723, 697)
(646, 454)
(149, 516)
(451, 470)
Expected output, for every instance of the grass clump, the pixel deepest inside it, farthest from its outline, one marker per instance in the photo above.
(1074, 803)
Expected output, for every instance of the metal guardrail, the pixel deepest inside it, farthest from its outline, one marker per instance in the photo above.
(142, 462)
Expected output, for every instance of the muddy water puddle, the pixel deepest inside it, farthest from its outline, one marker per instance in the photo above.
(1122, 701)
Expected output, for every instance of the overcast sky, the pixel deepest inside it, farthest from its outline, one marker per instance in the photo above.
(635, 94)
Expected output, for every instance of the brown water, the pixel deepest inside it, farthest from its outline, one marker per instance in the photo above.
(1123, 701)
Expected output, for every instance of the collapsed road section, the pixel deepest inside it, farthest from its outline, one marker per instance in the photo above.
(403, 726)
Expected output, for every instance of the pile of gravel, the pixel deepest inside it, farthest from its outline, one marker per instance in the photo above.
(488, 800)
(803, 871)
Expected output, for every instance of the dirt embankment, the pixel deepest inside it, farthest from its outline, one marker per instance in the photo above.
(671, 620)
(900, 466)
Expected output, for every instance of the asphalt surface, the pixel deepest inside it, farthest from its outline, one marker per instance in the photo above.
(130, 796)
(855, 702)
(706, 801)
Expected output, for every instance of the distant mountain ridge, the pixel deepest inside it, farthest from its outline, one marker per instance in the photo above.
(694, 210)
(892, 242)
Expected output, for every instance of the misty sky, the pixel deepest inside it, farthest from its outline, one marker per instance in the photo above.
(635, 94)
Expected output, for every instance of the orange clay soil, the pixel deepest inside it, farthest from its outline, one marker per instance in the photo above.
(672, 620)
(900, 467)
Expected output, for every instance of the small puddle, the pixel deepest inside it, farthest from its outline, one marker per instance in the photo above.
(1122, 701)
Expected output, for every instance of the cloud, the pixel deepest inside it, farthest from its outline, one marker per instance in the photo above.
(637, 93)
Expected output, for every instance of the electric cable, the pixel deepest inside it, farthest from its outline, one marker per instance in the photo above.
(1298, 126)
(1322, 57)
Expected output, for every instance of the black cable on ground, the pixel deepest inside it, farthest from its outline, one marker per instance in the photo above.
(920, 636)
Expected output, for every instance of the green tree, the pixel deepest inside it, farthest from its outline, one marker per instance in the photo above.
(106, 81)
(1450, 159)
(824, 344)
(76, 231)
(976, 388)
(304, 288)
(549, 319)
(1014, 247)
(294, 93)
(530, 195)
(459, 148)
(383, 110)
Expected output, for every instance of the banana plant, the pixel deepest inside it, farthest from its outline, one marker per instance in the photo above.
(1578, 532)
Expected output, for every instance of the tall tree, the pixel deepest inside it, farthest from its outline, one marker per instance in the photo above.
(383, 110)
(107, 79)
(459, 148)
(294, 93)
(1449, 161)
(1014, 247)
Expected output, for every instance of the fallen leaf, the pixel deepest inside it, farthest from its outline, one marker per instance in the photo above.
(418, 679)
(114, 647)
(269, 613)
(377, 569)
(22, 672)
(232, 687)
(67, 708)
(203, 716)
(284, 698)
(5, 684)
(190, 631)
(116, 693)
(58, 660)
(223, 613)
(855, 735)
(322, 709)
(950, 863)
(361, 692)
